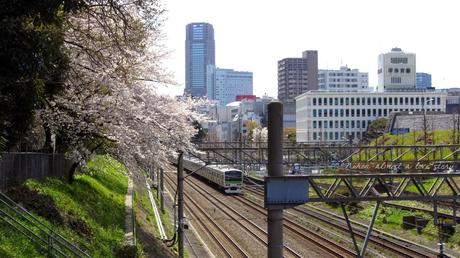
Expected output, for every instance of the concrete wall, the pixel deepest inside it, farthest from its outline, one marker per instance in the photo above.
(17, 167)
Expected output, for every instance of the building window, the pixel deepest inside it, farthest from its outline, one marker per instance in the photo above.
(320, 101)
(352, 113)
(336, 112)
(358, 112)
(374, 101)
(314, 101)
(320, 124)
(396, 101)
(341, 101)
(368, 112)
(347, 101)
(314, 124)
(325, 112)
(331, 124)
(314, 112)
(407, 70)
(330, 112)
(380, 100)
(412, 101)
(385, 101)
(363, 124)
(357, 101)
(368, 101)
(390, 70)
(336, 124)
(314, 136)
(374, 112)
(341, 124)
(395, 79)
(347, 113)
(406, 101)
(438, 100)
(330, 101)
(320, 112)
(352, 123)
(341, 113)
(336, 101)
(347, 124)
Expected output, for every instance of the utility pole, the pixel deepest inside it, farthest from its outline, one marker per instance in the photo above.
(180, 203)
(162, 200)
(275, 168)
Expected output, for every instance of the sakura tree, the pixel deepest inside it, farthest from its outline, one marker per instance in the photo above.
(109, 101)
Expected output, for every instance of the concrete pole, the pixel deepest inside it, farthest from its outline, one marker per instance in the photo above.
(162, 200)
(275, 168)
(180, 203)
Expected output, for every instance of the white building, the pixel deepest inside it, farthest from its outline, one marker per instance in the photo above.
(396, 71)
(225, 84)
(229, 120)
(345, 79)
(327, 116)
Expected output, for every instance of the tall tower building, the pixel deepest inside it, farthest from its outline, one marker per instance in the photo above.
(199, 53)
(296, 76)
(396, 71)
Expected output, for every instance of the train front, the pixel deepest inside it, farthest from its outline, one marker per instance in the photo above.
(233, 181)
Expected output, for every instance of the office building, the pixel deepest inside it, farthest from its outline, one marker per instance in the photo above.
(224, 85)
(396, 71)
(345, 79)
(328, 116)
(199, 53)
(423, 81)
(296, 76)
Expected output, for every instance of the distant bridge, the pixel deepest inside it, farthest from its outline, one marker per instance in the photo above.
(359, 157)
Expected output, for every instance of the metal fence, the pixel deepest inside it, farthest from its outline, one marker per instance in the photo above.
(17, 167)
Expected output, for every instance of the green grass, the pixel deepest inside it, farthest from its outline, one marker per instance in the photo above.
(438, 137)
(95, 200)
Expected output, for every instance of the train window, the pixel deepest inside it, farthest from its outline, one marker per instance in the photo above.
(233, 175)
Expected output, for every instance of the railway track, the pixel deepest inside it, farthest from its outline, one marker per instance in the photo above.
(395, 246)
(228, 246)
(236, 217)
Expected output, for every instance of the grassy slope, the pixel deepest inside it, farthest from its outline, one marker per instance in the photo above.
(96, 199)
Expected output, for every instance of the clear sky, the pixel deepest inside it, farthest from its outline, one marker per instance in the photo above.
(252, 35)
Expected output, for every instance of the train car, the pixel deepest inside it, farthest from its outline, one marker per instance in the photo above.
(230, 180)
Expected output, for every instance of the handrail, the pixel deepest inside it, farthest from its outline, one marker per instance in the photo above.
(52, 236)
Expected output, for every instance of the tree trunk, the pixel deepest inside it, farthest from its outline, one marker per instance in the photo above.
(71, 177)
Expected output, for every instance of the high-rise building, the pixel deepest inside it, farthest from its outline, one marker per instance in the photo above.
(225, 84)
(345, 79)
(199, 53)
(296, 76)
(423, 81)
(396, 71)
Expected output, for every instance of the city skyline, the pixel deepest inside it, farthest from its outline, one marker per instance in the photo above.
(250, 39)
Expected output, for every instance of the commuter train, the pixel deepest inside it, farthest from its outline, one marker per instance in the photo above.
(230, 180)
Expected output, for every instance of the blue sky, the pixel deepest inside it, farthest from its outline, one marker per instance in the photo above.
(254, 35)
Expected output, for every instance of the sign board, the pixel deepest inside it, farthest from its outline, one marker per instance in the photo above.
(397, 131)
(286, 191)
